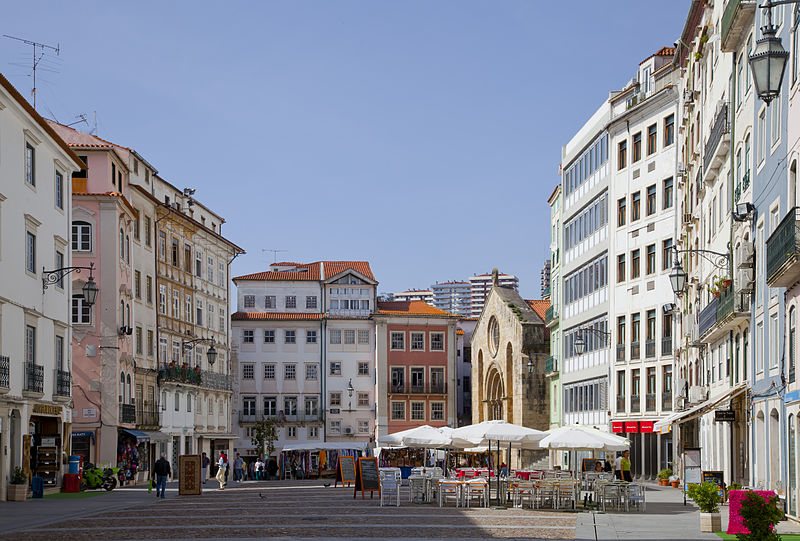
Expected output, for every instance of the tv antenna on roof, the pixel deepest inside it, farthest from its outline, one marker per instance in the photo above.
(38, 54)
(274, 253)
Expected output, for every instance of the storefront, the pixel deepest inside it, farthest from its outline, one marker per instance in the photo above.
(82, 444)
(133, 451)
(651, 450)
(43, 444)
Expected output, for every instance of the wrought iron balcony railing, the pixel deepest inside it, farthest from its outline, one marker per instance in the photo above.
(127, 413)
(783, 249)
(34, 378)
(650, 349)
(635, 350)
(63, 382)
(636, 406)
(620, 353)
(650, 402)
(5, 372)
(666, 401)
(666, 346)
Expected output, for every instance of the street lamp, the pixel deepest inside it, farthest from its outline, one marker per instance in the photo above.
(211, 354)
(55, 276)
(768, 61)
(579, 344)
(350, 388)
(677, 278)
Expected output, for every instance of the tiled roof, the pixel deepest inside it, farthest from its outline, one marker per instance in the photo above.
(264, 316)
(332, 268)
(410, 307)
(77, 138)
(309, 271)
(109, 194)
(663, 51)
(538, 306)
(318, 270)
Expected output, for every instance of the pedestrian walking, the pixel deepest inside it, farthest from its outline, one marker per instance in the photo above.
(161, 470)
(625, 466)
(204, 463)
(259, 469)
(618, 467)
(227, 466)
(222, 470)
(238, 468)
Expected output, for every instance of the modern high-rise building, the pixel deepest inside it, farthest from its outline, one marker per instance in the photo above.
(424, 295)
(453, 297)
(481, 284)
(545, 282)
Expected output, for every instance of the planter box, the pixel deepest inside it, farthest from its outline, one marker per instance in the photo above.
(710, 522)
(17, 493)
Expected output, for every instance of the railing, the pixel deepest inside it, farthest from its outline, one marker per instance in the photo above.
(746, 181)
(635, 350)
(650, 402)
(5, 372)
(620, 404)
(147, 415)
(737, 192)
(127, 413)
(195, 376)
(349, 313)
(718, 129)
(63, 382)
(666, 401)
(550, 315)
(620, 353)
(253, 416)
(666, 345)
(546, 291)
(782, 245)
(215, 380)
(708, 317)
(398, 388)
(550, 365)
(34, 378)
(430, 388)
(650, 349)
(636, 405)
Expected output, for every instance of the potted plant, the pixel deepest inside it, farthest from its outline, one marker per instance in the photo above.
(759, 515)
(707, 498)
(18, 488)
(715, 291)
(663, 477)
(727, 282)
(675, 482)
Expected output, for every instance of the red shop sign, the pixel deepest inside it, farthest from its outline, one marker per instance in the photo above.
(646, 426)
(631, 426)
(617, 427)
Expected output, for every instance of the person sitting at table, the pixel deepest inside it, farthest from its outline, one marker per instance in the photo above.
(598, 466)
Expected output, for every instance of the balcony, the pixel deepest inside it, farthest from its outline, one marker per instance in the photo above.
(745, 181)
(666, 401)
(736, 22)
(430, 388)
(551, 317)
(546, 292)
(620, 353)
(63, 382)
(650, 402)
(666, 346)
(127, 414)
(349, 313)
(5, 372)
(215, 380)
(650, 349)
(783, 247)
(620, 404)
(717, 145)
(34, 378)
(147, 416)
(550, 365)
(195, 376)
(707, 318)
(737, 193)
(636, 406)
(733, 309)
(635, 351)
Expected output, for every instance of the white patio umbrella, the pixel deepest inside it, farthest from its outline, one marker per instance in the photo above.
(421, 436)
(581, 438)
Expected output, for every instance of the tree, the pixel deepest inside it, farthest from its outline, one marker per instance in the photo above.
(264, 435)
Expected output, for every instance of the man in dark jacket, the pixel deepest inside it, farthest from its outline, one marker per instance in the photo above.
(161, 471)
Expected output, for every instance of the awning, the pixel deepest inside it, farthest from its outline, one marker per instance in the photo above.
(326, 445)
(83, 434)
(138, 434)
(158, 437)
(699, 409)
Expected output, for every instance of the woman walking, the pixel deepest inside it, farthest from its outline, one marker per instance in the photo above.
(223, 469)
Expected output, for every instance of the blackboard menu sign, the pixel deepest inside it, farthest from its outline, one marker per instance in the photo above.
(717, 478)
(345, 470)
(367, 479)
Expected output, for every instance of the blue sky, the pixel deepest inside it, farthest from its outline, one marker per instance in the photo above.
(421, 135)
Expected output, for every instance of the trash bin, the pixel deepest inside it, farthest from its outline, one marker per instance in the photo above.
(72, 482)
(74, 464)
(37, 487)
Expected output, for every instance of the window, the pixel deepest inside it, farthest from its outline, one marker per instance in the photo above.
(290, 337)
(635, 264)
(249, 301)
(668, 193)
(398, 379)
(30, 164)
(621, 204)
(418, 411)
(336, 368)
(335, 336)
(417, 341)
(762, 135)
(248, 371)
(651, 139)
(622, 154)
(398, 340)
(437, 341)
(635, 200)
(651, 200)
(363, 336)
(269, 371)
(174, 253)
(336, 427)
(150, 343)
(162, 246)
(775, 120)
(290, 371)
(437, 411)
(311, 302)
(666, 254)
(635, 322)
(81, 236)
(81, 312)
(363, 400)
(311, 337)
(792, 343)
(363, 368)
(221, 275)
(210, 269)
(139, 341)
(621, 330)
(270, 406)
(620, 268)
(162, 299)
(773, 343)
(30, 252)
(200, 313)
(651, 259)
(349, 336)
(363, 426)
(59, 188)
(177, 401)
(291, 301)
(60, 265)
(636, 153)
(669, 129)
(269, 336)
(311, 406)
(269, 301)
(398, 411)
(311, 371)
(336, 399)
(417, 379)
(650, 334)
(147, 230)
(248, 336)
(137, 284)
(248, 405)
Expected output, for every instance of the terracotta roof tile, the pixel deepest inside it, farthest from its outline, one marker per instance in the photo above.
(411, 308)
(318, 270)
(539, 306)
(332, 268)
(270, 316)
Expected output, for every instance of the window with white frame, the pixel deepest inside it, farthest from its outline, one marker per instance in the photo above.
(30, 164)
(773, 340)
(269, 336)
(349, 336)
(291, 432)
(81, 236)
(30, 344)
(177, 401)
(221, 275)
(59, 188)
(437, 411)
(248, 336)
(269, 301)
(363, 426)
(335, 400)
(198, 263)
(335, 336)
(398, 341)
(290, 405)
(398, 411)
(290, 337)
(210, 268)
(269, 371)
(363, 368)
(30, 252)
(336, 368)
(363, 336)
(81, 312)
(311, 337)
(162, 299)
(248, 405)
(199, 305)
(290, 371)
(335, 427)
(249, 301)
(311, 371)
(313, 432)
(437, 341)
(270, 406)
(248, 371)
(311, 406)
(363, 400)
(418, 411)
(417, 341)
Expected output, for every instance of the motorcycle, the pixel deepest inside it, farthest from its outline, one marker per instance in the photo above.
(94, 477)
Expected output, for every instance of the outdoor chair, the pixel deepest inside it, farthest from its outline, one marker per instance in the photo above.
(524, 491)
(417, 488)
(610, 493)
(390, 489)
(634, 496)
(449, 490)
(477, 489)
(566, 494)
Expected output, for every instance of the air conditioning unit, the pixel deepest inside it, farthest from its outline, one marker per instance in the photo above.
(744, 279)
(348, 430)
(744, 256)
(680, 388)
(697, 393)
(334, 411)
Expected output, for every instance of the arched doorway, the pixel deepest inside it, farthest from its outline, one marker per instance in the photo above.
(774, 443)
(792, 496)
(761, 451)
(495, 390)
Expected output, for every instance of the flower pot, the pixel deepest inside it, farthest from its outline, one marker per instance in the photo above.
(710, 522)
(727, 282)
(17, 493)
(716, 294)
(675, 484)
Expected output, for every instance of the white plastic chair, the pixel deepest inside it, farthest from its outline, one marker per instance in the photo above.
(449, 490)
(390, 489)
(634, 496)
(477, 489)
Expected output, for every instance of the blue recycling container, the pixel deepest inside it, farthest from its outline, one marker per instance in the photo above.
(37, 487)
(74, 464)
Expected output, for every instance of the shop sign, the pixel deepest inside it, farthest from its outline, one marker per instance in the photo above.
(794, 396)
(617, 427)
(724, 416)
(47, 409)
(632, 427)
(646, 427)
